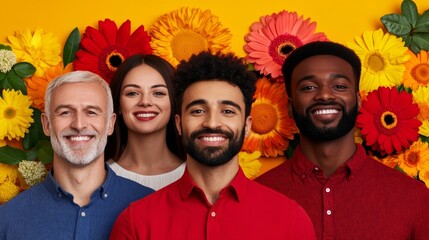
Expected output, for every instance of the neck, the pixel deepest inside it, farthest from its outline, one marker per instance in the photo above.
(329, 155)
(157, 158)
(212, 179)
(80, 181)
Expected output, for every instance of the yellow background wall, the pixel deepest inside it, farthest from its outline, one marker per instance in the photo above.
(340, 20)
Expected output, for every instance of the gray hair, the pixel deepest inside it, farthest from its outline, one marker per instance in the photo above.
(78, 77)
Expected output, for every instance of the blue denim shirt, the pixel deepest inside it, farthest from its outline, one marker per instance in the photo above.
(46, 211)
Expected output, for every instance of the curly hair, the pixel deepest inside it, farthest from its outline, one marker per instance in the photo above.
(224, 67)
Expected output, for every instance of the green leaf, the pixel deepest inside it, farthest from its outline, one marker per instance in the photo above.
(45, 153)
(13, 81)
(10, 155)
(409, 11)
(396, 24)
(5, 47)
(422, 24)
(2, 76)
(407, 40)
(422, 40)
(414, 48)
(35, 132)
(24, 69)
(71, 46)
(31, 155)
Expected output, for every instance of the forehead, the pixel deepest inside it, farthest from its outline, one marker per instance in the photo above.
(143, 74)
(322, 64)
(76, 94)
(213, 91)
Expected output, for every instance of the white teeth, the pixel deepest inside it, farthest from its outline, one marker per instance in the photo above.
(146, 115)
(80, 138)
(213, 139)
(326, 111)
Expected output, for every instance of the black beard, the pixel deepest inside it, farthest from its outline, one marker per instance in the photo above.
(308, 129)
(213, 156)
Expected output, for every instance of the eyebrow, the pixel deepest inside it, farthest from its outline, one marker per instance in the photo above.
(204, 102)
(137, 86)
(69, 106)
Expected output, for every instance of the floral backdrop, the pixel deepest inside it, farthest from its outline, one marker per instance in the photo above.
(393, 123)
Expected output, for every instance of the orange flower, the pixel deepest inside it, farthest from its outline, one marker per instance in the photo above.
(415, 158)
(36, 86)
(272, 128)
(417, 70)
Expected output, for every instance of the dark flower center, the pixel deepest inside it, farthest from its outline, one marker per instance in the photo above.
(282, 46)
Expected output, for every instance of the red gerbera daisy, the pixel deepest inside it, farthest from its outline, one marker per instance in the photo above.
(102, 51)
(388, 120)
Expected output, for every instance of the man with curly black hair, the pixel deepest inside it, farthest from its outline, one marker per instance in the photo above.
(214, 199)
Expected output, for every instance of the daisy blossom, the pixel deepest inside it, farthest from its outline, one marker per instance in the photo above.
(414, 158)
(8, 182)
(102, 51)
(272, 39)
(421, 97)
(272, 127)
(15, 114)
(417, 70)
(40, 49)
(388, 120)
(382, 56)
(181, 33)
(36, 86)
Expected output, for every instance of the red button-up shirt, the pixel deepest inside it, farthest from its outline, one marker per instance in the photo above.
(362, 200)
(244, 210)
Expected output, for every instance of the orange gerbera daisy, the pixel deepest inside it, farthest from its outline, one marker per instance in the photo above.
(272, 128)
(36, 86)
(417, 70)
(388, 120)
(102, 51)
(414, 159)
(272, 39)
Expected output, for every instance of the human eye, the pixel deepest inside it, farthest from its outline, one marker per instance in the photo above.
(228, 112)
(159, 93)
(131, 93)
(197, 111)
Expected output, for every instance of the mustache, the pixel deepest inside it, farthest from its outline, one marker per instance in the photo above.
(228, 134)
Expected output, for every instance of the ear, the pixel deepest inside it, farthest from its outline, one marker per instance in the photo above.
(45, 124)
(248, 126)
(359, 100)
(178, 124)
(112, 121)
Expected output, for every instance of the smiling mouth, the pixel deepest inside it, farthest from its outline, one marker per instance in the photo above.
(79, 139)
(325, 111)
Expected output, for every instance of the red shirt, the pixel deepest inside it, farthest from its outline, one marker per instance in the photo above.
(244, 210)
(362, 200)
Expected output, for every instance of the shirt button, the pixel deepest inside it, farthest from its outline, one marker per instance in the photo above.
(213, 214)
(83, 214)
(329, 212)
(303, 176)
(316, 169)
(105, 195)
(328, 190)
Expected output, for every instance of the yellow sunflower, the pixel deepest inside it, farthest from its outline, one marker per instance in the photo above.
(249, 163)
(272, 127)
(424, 174)
(421, 97)
(417, 70)
(181, 33)
(414, 158)
(36, 86)
(40, 49)
(15, 114)
(382, 56)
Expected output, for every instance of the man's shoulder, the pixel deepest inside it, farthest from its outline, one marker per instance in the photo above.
(275, 174)
(26, 201)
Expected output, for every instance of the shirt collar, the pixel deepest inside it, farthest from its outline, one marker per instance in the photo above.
(237, 187)
(59, 193)
(304, 168)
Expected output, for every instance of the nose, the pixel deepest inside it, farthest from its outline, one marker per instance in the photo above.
(212, 121)
(79, 122)
(324, 93)
(146, 100)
